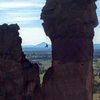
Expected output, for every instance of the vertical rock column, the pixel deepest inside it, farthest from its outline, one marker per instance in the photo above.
(70, 26)
(19, 78)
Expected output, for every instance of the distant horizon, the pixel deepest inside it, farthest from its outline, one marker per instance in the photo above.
(37, 44)
(51, 44)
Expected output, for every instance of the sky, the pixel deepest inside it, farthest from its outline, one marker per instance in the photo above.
(26, 13)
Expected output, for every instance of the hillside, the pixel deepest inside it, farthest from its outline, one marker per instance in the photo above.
(39, 47)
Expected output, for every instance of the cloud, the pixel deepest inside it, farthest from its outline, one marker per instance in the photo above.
(7, 5)
(33, 36)
(26, 18)
(15, 5)
(97, 35)
(30, 24)
(26, 14)
(97, 29)
(98, 11)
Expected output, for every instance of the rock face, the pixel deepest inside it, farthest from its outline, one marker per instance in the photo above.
(19, 79)
(70, 26)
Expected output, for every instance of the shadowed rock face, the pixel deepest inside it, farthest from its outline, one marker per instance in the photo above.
(70, 26)
(10, 42)
(19, 79)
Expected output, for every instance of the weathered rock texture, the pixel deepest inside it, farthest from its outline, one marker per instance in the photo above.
(70, 26)
(19, 79)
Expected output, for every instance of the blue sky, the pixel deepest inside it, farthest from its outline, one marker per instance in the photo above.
(97, 29)
(27, 14)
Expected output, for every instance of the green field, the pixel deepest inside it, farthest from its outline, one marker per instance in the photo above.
(46, 64)
(45, 59)
(96, 96)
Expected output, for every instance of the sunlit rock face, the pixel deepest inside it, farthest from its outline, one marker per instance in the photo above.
(70, 26)
(19, 79)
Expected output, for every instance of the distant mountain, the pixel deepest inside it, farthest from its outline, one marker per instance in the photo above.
(47, 47)
(96, 46)
(39, 47)
(42, 45)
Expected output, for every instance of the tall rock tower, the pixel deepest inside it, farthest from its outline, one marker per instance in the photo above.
(19, 78)
(70, 26)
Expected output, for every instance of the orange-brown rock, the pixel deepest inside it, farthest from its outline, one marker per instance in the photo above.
(70, 26)
(19, 79)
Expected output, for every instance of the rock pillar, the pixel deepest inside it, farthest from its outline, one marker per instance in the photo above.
(19, 79)
(70, 26)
